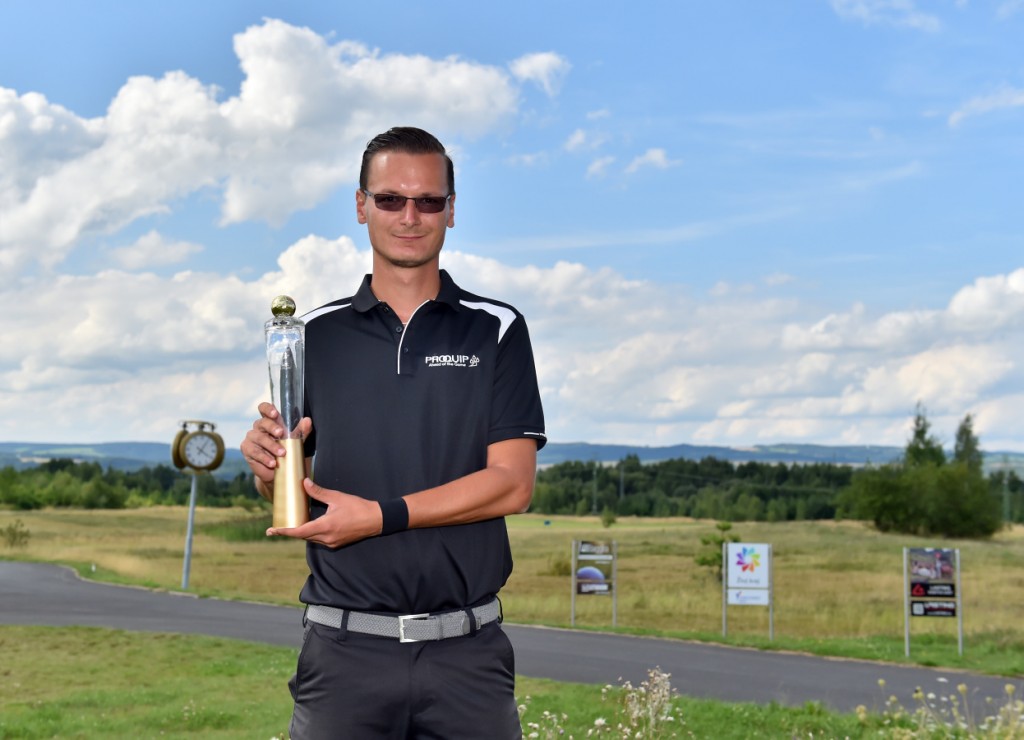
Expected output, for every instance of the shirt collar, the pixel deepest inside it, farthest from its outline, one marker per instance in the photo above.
(364, 298)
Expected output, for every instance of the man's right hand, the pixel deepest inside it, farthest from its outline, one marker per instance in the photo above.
(262, 446)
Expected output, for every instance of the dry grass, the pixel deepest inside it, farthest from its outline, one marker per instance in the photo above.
(832, 579)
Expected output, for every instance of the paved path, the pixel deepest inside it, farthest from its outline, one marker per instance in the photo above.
(41, 594)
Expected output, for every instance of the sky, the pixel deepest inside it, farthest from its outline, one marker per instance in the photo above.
(725, 223)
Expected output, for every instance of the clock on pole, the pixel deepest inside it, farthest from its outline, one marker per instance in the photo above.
(196, 450)
(200, 448)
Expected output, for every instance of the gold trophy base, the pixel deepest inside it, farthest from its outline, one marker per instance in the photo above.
(291, 505)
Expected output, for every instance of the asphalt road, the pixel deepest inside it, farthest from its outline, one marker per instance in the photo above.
(41, 594)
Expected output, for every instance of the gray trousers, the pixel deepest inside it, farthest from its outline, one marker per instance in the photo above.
(351, 685)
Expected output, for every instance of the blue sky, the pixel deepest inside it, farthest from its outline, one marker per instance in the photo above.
(728, 223)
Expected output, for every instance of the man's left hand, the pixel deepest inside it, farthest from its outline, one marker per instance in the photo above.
(348, 519)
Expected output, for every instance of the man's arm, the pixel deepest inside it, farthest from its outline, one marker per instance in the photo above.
(503, 487)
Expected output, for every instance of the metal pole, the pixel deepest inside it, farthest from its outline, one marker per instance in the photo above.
(771, 595)
(959, 607)
(906, 607)
(725, 584)
(572, 619)
(615, 583)
(188, 536)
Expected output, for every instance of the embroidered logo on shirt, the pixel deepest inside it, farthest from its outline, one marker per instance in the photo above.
(451, 361)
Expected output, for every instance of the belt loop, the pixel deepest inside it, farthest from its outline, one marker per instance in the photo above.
(343, 627)
(501, 609)
(473, 627)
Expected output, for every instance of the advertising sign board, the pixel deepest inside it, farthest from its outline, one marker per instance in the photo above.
(931, 588)
(594, 573)
(747, 580)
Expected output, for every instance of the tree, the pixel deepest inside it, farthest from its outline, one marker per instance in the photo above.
(925, 495)
(923, 448)
(711, 556)
(967, 449)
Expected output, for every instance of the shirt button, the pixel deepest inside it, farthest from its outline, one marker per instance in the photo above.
(398, 329)
(405, 350)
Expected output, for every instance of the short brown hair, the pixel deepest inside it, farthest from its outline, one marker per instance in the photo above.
(408, 140)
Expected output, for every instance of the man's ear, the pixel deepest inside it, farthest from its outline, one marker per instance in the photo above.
(361, 206)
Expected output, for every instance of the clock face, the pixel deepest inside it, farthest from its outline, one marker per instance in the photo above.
(201, 450)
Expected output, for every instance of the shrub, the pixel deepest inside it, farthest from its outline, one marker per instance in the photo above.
(16, 534)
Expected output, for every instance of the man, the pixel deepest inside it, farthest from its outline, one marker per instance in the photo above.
(425, 419)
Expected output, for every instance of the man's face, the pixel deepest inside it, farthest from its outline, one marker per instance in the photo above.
(406, 238)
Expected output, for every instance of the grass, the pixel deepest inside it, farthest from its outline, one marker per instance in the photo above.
(838, 585)
(838, 589)
(93, 682)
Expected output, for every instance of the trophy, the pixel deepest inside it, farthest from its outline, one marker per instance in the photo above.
(285, 336)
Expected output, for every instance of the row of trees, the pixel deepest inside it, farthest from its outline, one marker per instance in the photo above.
(65, 483)
(923, 493)
(707, 488)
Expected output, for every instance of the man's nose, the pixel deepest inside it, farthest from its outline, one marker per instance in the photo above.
(410, 214)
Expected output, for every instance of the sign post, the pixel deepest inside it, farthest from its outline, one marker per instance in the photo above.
(931, 588)
(594, 573)
(747, 580)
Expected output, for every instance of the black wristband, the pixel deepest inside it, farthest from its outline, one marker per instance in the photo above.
(395, 516)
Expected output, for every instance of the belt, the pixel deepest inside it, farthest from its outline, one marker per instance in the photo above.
(408, 627)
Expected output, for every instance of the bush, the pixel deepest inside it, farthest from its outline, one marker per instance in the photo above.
(949, 500)
(16, 534)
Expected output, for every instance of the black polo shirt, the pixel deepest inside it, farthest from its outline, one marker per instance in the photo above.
(397, 410)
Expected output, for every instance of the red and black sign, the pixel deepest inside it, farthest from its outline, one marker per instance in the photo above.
(930, 590)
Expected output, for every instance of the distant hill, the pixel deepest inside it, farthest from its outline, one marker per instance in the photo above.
(135, 455)
(118, 455)
(786, 453)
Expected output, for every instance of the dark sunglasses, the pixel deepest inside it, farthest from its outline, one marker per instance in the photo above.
(392, 202)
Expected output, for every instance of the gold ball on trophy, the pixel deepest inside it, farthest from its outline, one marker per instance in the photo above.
(283, 305)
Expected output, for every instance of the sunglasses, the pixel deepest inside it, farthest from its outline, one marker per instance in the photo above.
(392, 202)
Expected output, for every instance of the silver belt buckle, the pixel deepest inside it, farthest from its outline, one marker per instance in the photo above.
(401, 627)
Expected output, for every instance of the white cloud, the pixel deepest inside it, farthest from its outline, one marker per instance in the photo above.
(1005, 97)
(599, 166)
(778, 278)
(735, 367)
(290, 136)
(656, 158)
(528, 160)
(576, 140)
(899, 13)
(547, 69)
(153, 250)
(583, 139)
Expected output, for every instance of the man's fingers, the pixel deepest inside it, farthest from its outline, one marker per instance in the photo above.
(311, 531)
(314, 490)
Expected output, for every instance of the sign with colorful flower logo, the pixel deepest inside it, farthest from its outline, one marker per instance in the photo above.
(748, 565)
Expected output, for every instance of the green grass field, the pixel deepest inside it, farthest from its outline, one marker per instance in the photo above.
(838, 591)
(96, 683)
